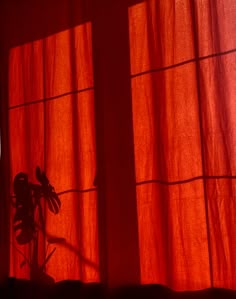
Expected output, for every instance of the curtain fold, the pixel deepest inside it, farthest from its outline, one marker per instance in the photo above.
(129, 108)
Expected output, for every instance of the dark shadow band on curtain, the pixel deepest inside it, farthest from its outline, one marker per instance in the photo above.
(117, 212)
(4, 169)
(28, 21)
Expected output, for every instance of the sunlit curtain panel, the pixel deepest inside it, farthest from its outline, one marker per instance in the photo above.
(183, 80)
(51, 125)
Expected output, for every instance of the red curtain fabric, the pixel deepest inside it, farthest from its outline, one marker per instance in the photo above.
(140, 97)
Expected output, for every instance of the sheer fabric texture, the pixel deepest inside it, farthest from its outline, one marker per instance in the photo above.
(129, 107)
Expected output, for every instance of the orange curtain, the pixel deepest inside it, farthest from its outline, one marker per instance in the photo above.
(140, 97)
(51, 125)
(183, 95)
(51, 109)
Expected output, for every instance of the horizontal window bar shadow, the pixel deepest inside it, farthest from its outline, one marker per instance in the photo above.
(217, 177)
(77, 191)
(183, 63)
(230, 177)
(51, 98)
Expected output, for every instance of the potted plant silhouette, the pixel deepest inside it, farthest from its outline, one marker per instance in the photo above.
(28, 201)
